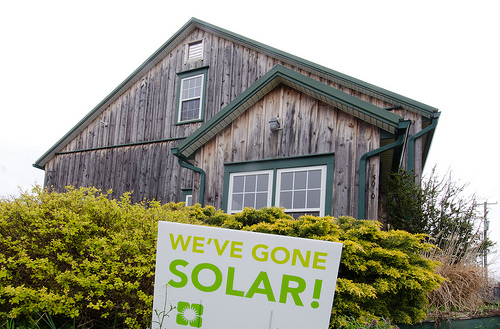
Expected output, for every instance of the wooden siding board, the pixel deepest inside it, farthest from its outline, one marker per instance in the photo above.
(149, 116)
(214, 79)
(122, 134)
(148, 113)
(302, 115)
(342, 168)
(236, 72)
(271, 109)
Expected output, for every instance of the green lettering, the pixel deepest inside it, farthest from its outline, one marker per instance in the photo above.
(234, 249)
(180, 239)
(183, 277)
(284, 260)
(220, 250)
(196, 281)
(294, 291)
(230, 284)
(266, 290)
(304, 261)
(318, 260)
(263, 255)
(197, 244)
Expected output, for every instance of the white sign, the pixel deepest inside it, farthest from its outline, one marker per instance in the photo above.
(215, 278)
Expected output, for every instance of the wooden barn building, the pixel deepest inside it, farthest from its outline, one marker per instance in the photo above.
(218, 119)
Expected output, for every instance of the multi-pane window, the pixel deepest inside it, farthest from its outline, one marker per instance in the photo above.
(191, 87)
(191, 98)
(301, 190)
(250, 189)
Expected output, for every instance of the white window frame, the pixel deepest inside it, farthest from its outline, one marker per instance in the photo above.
(188, 200)
(321, 208)
(270, 174)
(200, 97)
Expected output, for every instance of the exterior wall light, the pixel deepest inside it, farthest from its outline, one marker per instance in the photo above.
(275, 124)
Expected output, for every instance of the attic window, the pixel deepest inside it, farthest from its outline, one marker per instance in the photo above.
(195, 51)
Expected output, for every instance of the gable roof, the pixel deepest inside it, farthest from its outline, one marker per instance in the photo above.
(192, 24)
(279, 74)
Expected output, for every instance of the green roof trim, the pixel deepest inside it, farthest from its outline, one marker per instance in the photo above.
(322, 71)
(279, 74)
(287, 58)
(149, 63)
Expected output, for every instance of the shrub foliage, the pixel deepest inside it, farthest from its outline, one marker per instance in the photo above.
(436, 206)
(82, 255)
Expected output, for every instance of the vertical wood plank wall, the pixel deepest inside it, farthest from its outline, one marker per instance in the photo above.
(146, 113)
(330, 130)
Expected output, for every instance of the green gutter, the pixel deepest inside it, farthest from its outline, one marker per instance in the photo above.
(183, 162)
(411, 142)
(402, 131)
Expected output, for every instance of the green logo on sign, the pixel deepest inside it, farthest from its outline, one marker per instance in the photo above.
(189, 314)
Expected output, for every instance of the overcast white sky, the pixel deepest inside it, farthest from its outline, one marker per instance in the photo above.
(59, 59)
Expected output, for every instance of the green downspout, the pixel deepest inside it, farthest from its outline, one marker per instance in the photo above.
(402, 130)
(411, 141)
(183, 162)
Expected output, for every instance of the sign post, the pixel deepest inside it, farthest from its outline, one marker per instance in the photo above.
(216, 278)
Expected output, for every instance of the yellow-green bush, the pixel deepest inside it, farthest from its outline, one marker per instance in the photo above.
(382, 274)
(82, 255)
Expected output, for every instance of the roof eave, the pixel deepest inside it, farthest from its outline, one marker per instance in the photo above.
(322, 71)
(280, 74)
(150, 62)
(290, 59)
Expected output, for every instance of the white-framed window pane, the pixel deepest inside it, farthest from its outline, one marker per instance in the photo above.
(191, 91)
(286, 181)
(262, 182)
(260, 200)
(237, 202)
(250, 189)
(286, 199)
(299, 199)
(250, 183)
(249, 200)
(190, 109)
(313, 198)
(302, 190)
(300, 180)
(314, 180)
(239, 183)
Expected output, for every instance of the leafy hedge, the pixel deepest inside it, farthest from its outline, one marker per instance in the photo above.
(81, 255)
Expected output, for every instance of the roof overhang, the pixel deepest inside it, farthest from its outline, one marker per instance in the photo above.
(354, 106)
(286, 58)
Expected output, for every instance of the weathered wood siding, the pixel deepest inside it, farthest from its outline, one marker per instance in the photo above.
(309, 127)
(147, 170)
(104, 154)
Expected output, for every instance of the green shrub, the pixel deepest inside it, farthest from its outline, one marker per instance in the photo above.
(81, 255)
(382, 274)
